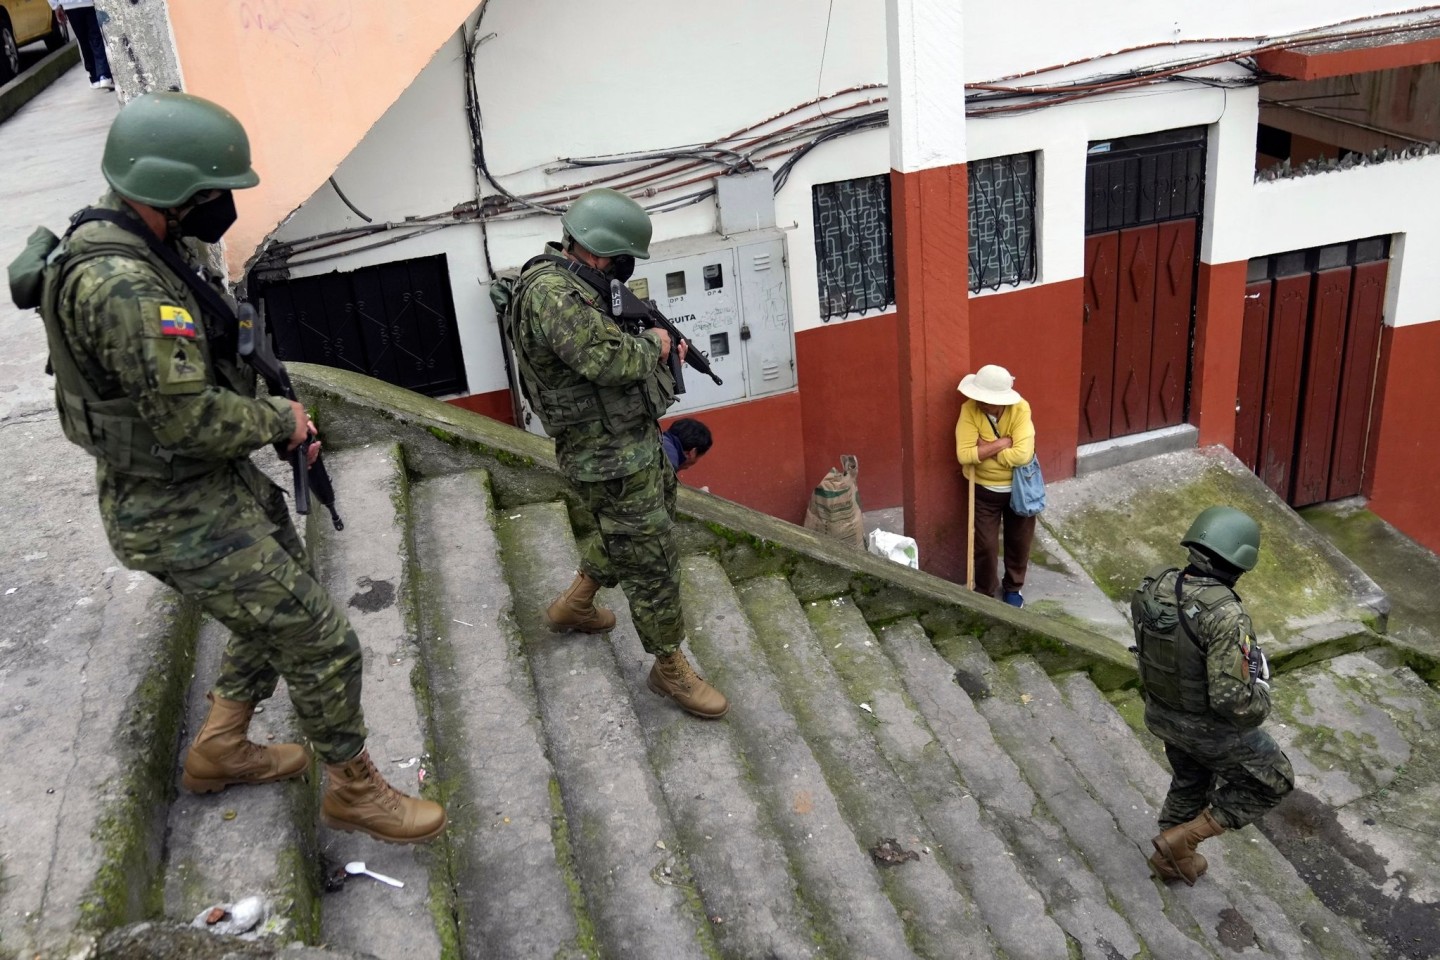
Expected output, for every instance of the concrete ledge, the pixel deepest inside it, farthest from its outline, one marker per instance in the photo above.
(28, 85)
(1112, 453)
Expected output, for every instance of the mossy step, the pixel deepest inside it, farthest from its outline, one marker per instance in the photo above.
(940, 919)
(506, 884)
(1115, 859)
(93, 708)
(243, 841)
(840, 883)
(620, 842)
(741, 873)
(1244, 862)
(1359, 826)
(365, 569)
(1075, 897)
(1230, 917)
(970, 846)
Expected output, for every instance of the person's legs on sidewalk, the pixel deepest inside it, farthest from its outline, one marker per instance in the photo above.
(85, 25)
(1019, 534)
(989, 506)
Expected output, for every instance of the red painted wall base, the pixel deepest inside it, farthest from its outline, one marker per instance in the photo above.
(1404, 461)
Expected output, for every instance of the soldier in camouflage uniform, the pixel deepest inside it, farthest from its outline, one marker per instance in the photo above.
(1206, 687)
(599, 391)
(147, 380)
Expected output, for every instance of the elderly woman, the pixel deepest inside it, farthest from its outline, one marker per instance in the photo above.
(993, 436)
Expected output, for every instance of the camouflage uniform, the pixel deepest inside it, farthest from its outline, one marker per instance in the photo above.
(216, 529)
(1203, 703)
(599, 392)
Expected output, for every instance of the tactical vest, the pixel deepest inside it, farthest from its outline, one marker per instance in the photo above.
(108, 428)
(621, 408)
(1173, 665)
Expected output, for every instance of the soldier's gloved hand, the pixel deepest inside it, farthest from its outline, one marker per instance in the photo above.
(1259, 665)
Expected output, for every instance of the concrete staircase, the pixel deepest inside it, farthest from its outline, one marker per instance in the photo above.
(868, 796)
(906, 771)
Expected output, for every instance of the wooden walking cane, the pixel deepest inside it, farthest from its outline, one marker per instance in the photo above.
(969, 530)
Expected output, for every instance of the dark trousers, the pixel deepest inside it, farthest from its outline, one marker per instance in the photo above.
(992, 513)
(91, 41)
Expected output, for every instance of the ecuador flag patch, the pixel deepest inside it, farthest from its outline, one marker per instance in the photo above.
(176, 322)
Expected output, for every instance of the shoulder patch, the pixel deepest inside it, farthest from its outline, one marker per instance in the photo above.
(176, 322)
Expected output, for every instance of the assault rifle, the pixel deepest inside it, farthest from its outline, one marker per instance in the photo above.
(624, 305)
(255, 348)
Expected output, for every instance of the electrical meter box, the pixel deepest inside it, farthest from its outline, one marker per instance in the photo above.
(730, 296)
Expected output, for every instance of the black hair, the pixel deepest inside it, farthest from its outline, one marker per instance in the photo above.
(693, 435)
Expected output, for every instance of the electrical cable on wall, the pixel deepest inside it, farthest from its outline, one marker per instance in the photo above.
(658, 177)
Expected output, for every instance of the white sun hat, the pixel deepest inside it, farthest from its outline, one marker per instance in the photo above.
(990, 384)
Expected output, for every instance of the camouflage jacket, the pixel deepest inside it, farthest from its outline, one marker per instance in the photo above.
(137, 331)
(571, 346)
(1226, 636)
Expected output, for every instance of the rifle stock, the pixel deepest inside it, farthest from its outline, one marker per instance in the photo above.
(255, 349)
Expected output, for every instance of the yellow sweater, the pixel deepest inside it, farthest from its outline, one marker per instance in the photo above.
(973, 427)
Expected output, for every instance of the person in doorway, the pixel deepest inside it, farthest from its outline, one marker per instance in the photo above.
(993, 436)
(1207, 691)
(599, 391)
(147, 380)
(89, 37)
(685, 443)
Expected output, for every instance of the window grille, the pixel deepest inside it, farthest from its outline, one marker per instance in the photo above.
(853, 252)
(1002, 221)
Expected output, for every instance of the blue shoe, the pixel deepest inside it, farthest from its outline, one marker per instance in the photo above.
(1013, 598)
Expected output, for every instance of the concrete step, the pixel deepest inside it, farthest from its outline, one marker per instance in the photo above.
(243, 841)
(508, 888)
(727, 834)
(1359, 826)
(837, 879)
(620, 841)
(1231, 918)
(1075, 897)
(1164, 928)
(1244, 864)
(92, 705)
(365, 569)
(940, 919)
(968, 843)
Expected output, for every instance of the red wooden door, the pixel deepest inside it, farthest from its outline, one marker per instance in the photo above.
(1134, 330)
(1097, 350)
(1170, 348)
(1284, 358)
(1324, 350)
(1251, 394)
(1357, 379)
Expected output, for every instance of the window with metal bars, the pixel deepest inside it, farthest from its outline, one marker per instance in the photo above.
(1002, 221)
(853, 252)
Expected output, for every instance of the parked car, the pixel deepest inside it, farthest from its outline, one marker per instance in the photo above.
(23, 22)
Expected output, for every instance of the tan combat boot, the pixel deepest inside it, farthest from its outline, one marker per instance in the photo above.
(1169, 874)
(1176, 846)
(575, 609)
(221, 755)
(672, 676)
(358, 798)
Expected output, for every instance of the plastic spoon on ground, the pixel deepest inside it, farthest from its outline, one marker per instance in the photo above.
(358, 866)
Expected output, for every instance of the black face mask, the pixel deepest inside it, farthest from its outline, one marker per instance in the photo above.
(208, 221)
(621, 268)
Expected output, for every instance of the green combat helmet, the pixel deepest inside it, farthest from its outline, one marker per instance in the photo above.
(609, 224)
(1226, 533)
(163, 148)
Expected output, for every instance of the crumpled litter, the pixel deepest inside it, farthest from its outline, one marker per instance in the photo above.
(240, 919)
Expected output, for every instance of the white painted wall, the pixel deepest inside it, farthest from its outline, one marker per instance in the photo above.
(561, 79)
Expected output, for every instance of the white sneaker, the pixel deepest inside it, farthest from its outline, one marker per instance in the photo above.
(104, 83)
(94, 84)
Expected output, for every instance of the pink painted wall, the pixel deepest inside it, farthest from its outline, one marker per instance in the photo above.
(308, 78)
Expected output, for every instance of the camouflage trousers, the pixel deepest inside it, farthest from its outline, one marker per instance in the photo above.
(283, 624)
(1239, 777)
(636, 549)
